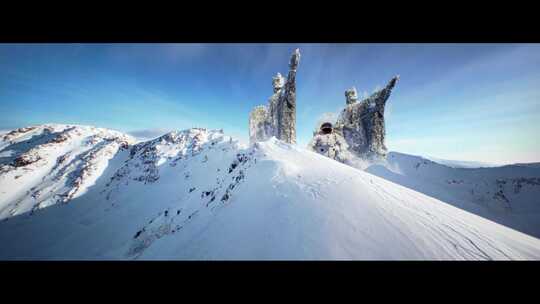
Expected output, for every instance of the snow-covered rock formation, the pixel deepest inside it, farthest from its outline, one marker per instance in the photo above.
(360, 125)
(330, 143)
(279, 117)
(199, 194)
(260, 126)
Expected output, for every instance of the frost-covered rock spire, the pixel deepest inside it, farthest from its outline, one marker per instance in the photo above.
(287, 118)
(360, 125)
(351, 96)
(278, 82)
(278, 118)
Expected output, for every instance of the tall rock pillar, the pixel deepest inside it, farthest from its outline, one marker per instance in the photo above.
(287, 110)
(278, 118)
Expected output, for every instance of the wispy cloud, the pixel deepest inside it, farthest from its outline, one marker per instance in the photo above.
(146, 134)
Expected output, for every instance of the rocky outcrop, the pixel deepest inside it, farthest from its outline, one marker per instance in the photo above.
(359, 128)
(278, 118)
(146, 160)
(15, 133)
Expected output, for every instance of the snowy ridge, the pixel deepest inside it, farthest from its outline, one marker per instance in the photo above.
(49, 164)
(199, 194)
(506, 194)
(462, 163)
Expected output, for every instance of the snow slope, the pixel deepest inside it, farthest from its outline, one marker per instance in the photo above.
(49, 164)
(199, 194)
(508, 194)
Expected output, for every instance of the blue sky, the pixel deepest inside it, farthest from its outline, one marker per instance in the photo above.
(454, 101)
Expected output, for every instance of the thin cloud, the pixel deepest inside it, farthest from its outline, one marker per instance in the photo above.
(146, 134)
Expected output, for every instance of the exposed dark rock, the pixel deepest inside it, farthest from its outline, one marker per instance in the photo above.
(225, 197)
(26, 159)
(15, 133)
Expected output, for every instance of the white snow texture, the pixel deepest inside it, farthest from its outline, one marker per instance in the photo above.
(77, 192)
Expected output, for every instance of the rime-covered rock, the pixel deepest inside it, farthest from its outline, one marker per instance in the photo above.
(330, 143)
(279, 117)
(351, 96)
(287, 118)
(260, 128)
(278, 82)
(360, 125)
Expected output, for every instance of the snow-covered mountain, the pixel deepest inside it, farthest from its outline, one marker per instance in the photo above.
(199, 194)
(461, 163)
(507, 194)
(49, 164)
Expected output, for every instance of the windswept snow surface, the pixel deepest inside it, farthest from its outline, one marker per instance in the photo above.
(509, 195)
(199, 194)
